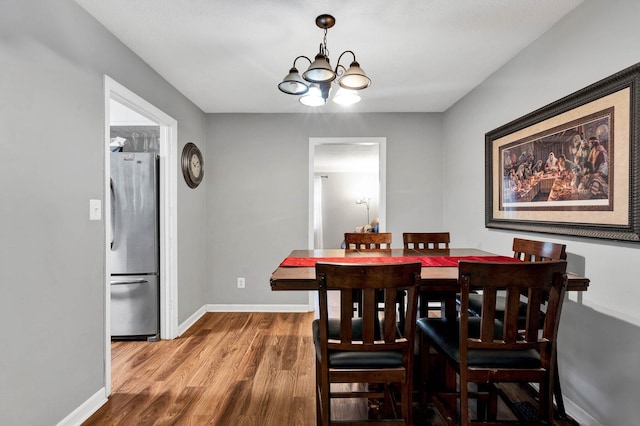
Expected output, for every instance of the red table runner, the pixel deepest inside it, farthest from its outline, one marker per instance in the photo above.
(448, 261)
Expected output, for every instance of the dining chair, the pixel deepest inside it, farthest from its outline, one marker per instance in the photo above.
(529, 251)
(371, 350)
(367, 240)
(486, 351)
(426, 240)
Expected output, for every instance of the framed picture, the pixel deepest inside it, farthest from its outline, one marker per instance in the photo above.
(571, 167)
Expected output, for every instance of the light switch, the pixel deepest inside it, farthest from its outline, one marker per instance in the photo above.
(95, 209)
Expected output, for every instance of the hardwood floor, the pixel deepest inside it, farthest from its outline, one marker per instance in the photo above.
(228, 369)
(241, 369)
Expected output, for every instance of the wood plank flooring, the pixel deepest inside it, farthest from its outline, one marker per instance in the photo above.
(244, 369)
(228, 369)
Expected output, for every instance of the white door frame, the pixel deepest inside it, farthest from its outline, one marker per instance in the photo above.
(382, 177)
(168, 214)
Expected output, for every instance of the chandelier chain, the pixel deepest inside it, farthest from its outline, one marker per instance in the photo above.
(324, 42)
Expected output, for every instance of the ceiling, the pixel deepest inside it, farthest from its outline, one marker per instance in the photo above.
(421, 55)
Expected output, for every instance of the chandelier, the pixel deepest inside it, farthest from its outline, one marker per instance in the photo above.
(314, 86)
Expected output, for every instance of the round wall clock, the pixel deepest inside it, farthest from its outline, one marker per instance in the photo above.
(192, 165)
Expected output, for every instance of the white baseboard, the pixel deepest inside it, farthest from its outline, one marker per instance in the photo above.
(191, 320)
(238, 308)
(578, 414)
(258, 308)
(85, 411)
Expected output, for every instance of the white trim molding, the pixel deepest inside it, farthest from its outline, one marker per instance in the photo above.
(84, 411)
(259, 308)
(168, 211)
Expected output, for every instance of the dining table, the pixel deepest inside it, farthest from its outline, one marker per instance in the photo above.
(439, 273)
(439, 276)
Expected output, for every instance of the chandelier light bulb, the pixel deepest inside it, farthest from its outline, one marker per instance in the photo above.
(346, 97)
(313, 97)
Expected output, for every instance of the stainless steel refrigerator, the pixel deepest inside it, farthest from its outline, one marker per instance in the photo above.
(135, 304)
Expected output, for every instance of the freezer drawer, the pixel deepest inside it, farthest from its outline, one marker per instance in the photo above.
(135, 305)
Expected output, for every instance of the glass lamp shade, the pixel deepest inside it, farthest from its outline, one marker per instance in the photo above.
(354, 78)
(293, 84)
(319, 71)
(313, 97)
(346, 97)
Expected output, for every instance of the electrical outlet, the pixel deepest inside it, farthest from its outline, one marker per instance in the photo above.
(240, 282)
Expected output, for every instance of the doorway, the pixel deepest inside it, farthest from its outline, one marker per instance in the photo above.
(117, 96)
(345, 156)
(357, 156)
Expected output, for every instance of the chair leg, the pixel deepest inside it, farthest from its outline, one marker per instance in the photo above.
(424, 369)
(546, 400)
(423, 305)
(487, 402)
(557, 391)
(464, 399)
(323, 410)
(318, 409)
(492, 412)
(407, 399)
(318, 404)
(388, 407)
(431, 377)
(482, 407)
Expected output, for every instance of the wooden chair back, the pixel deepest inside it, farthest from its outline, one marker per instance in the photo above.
(372, 332)
(367, 240)
(369, 279)
(540, 281)
(537, 251)
(426, 240)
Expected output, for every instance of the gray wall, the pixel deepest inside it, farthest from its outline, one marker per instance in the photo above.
(600, 337)
(257, 197)
(52, 272)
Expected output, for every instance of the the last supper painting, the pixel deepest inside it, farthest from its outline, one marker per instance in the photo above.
(571, 167)
(565, 168)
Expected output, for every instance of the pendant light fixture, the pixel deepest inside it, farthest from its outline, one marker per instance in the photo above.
(314, 86)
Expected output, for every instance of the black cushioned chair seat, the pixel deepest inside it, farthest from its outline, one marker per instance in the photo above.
(444, 333)
(375, 359)
(347, 359)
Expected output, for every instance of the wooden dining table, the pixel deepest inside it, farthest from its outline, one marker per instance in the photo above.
(439, 276)
(439, 272)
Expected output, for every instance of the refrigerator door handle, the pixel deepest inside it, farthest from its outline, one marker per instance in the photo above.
(113, 212)
(125, 282)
